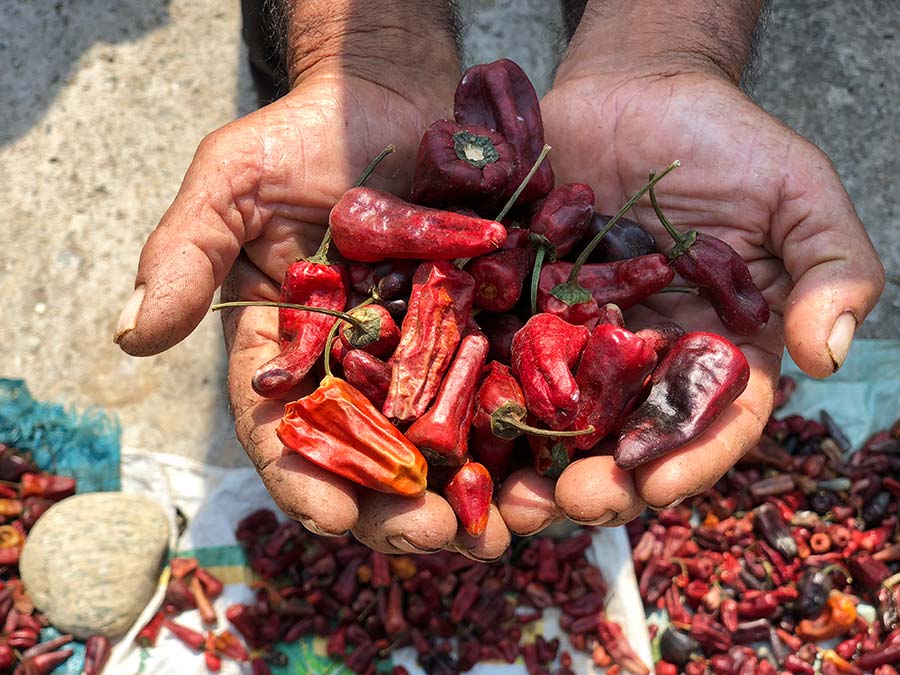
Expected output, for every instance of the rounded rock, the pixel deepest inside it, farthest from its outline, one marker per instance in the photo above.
(92, 562)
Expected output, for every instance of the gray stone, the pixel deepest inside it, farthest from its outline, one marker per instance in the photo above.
(92, 561)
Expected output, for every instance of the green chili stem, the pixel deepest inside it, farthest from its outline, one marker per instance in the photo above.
(322, 252)
(330, 339)
(536, 276)
(524, 183)
(288, 305)
(679, 289)
(675, 234)
(535, 431)
(583, 256)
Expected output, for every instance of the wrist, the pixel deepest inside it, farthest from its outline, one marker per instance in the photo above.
(409, 47)
(663, 37)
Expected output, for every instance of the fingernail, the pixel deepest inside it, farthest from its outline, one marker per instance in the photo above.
(605, 518)
(840, 338)
(667, 506)
(404, 545)
(544, 525)
(311, 525)
(128, 318)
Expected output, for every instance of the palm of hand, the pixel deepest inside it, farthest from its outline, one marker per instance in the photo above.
(745, 178)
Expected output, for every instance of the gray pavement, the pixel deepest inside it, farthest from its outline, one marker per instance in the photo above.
(102, 105)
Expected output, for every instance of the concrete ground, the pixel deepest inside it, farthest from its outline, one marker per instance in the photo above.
(101, 109)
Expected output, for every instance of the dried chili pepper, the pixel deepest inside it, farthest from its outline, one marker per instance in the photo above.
(149, 633)
(339, 429)
(771, 526)
(870, 573)
(499, 96)
(661, 337)
(498, 278)
(227, 643)
(439, 309)
(626, 239)
(368, 374)
(612, 637)
(677, 647)
(377, 334)
(694, 384)
(46, 486)
(96, 654)
(442, 432)
(469, 493)
(889, 654)
(720, 273)
(188, 636)
(837, 620)
(459, 164)
(544, 354)
(369, 225)
(494, 453)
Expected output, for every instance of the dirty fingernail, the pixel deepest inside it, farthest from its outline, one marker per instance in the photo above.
(605, 518)
(311, 525)
(404, 545)
(544, 525)
(128, 318)
(840, 338)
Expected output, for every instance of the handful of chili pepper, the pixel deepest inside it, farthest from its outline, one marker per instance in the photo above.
(456, 343)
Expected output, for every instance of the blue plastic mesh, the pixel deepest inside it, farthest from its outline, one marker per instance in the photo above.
(84, 445)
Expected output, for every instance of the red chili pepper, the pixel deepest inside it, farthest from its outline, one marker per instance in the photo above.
(212, 660)
(227, 643)
(544, 354)
(868, 571)
(314, 283)
(338, 428)
(149, 633)
(562, 218)
(469, 493)
(442, 432)
(728, 613)
(772, 527)
(47, 486)
(96, 654)
(498, 278)
(713, 636)
(612, 637)
(463, 164)
(721, 274)
(499, 96)
(188, 636)
(260, 667)
(378, 335)
(439, 310)
(760, 607)
(211, 585)
(370, 225)
(369, 374)
(697, 380)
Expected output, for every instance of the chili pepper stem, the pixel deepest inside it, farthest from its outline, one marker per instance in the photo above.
(679, 289)
(287, 305)
(682, 241)
(583, 256)
(515, 195)
(330, 339)
(536, 276)
(321, 255)
(536, 431)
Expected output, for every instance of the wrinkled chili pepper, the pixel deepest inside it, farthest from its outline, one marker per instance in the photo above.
(694, 384)
(612, 637)
(368, 374)
(442, 432)
(499, 329)
(720, 273)
(771, 526)
(463, 164)
(544, 354)
(661, 337)
(498, 278)
(626, 239)
(870, 573)
(499, 96)
(439, 309)
(339, 429)
(469, 493)
(369, 225)
(47, 486)
(378, 335)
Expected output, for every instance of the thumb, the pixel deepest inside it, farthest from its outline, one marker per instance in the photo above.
(837, 275)
(192, 249)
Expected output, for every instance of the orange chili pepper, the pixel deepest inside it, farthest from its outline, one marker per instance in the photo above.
(842, 664)
(10, 537)
(839, 617)
(339, 429)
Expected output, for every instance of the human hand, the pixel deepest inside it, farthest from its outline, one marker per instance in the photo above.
(255, 198)
(746, 178)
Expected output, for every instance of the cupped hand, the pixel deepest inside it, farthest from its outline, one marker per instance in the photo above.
(748, 179)
(255, 198)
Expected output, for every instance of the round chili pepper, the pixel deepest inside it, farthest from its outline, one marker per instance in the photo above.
(377, 334)
(498, 278)
(626, 239)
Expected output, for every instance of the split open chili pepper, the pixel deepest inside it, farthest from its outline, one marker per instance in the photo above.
(499, 96)
(626, 239)
(692, 386)
(463, 164)
(439, 309)
(47, 486)
(498, 278)
(469, 493)
(377, 334)
(368, 374)
(338, 428)
(500, 329)
(442, 433)
(369, 225)
(720, 273)
(544, 355)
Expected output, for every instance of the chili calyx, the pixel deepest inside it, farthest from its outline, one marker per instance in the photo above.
(570, 292)
(478, 151)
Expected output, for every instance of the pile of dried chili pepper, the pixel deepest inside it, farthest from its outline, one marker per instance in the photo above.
(480, 324)
(25, 495)
(789, 564)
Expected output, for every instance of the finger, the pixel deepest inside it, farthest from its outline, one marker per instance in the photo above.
(490, 545)
(526, 502)
(324, 502)
(837, 275)
(594, 491)
(700, 463)
(395, 524)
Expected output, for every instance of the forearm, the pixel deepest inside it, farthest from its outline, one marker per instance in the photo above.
(663, 35)
(393, 42)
